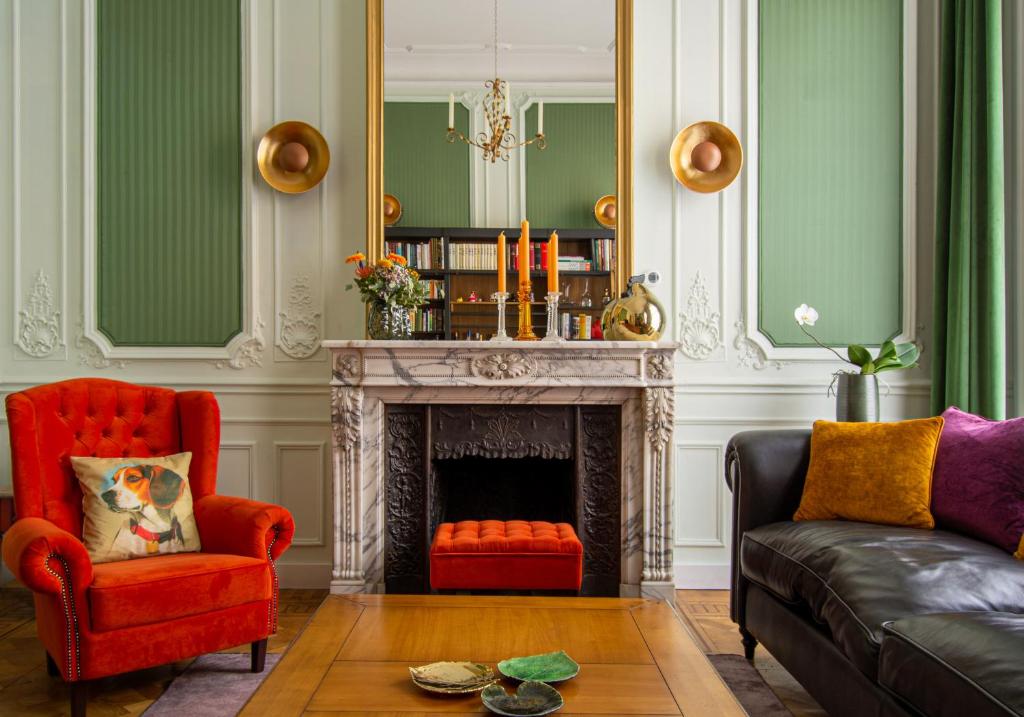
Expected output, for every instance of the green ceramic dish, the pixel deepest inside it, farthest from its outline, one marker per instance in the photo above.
(549, 667)
(530, 700)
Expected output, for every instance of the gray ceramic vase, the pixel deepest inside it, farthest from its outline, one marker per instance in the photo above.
(856, 397)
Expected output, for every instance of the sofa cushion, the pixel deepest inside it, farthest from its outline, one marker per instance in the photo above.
(871, 472)
(856, 576)
(975, 656)
(138, 592)
(979, 479)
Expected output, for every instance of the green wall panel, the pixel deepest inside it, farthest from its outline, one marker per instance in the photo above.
(830, 168)
(429, 176)
(578, 166)
(169, 171)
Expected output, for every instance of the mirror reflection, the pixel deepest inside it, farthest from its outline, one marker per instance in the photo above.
(497, 121)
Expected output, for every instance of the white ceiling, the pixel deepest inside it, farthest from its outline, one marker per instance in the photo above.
(538, 40)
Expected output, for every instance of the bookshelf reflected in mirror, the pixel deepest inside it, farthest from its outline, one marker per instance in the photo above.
(460, 266)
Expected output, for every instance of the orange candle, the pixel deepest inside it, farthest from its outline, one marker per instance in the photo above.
(524, 252)
(501, 263)
(553, 262)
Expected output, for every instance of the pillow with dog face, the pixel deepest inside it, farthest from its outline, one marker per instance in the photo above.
(136, 507)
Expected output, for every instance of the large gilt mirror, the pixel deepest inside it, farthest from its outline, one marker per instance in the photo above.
(482, 114)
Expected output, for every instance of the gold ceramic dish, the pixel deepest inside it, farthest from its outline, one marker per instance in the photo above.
(452, 678)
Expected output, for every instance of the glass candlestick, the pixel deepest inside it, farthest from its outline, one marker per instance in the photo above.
(552, 333)
(501, 297)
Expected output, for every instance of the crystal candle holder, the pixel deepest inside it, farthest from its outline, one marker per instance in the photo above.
(501, 297)
(552, 308)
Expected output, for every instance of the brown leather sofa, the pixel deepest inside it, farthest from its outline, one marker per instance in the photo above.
(870, 619)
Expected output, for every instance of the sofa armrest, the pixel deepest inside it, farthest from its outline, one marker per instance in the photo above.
(42, 556)
(765, 471)
(238, 526)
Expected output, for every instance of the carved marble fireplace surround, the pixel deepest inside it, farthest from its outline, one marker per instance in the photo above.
(368, 375)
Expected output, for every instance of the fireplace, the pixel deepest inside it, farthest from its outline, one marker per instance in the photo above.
(425, 431)
(447, 463)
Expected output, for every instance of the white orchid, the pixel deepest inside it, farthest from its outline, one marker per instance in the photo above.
(805, 314)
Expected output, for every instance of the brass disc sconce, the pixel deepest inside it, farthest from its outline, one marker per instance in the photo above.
(706, 157)
(293, 157)
(606, 211)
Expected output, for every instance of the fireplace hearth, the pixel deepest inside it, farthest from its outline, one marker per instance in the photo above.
(505, 462)
(428, 431)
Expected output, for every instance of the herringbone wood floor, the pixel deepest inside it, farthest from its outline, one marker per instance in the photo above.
(25, 688)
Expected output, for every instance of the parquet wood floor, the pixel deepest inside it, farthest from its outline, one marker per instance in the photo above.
(25, 688)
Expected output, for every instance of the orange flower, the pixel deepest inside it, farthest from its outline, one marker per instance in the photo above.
(363, 272)
(385, 263)
(398, 259)
(358, 256)
(414, 274)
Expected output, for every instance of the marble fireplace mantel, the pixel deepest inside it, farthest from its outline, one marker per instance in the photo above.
(368, 375)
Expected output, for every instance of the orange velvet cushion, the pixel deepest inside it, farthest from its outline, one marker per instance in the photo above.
(513, 536)
(131, 593)
(872, 472)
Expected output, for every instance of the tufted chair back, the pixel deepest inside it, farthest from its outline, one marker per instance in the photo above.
(105, 419)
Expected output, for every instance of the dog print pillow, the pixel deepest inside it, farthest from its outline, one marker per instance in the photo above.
(136, 507)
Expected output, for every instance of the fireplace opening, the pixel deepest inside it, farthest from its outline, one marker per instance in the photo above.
(473, 488)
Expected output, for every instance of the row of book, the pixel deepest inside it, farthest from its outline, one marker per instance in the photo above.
(434, 288)
(472, 256)
(427, 319)
(419, 254)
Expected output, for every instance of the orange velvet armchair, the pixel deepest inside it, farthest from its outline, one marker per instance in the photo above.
(104, 619)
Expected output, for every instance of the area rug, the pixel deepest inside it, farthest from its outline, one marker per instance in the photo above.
(748, 686)
(216, 685)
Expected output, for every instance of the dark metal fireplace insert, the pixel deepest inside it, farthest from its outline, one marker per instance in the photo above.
(445, 463)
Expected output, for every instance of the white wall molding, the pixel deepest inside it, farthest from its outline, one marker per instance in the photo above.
(299, 331)
(698, 576)
(249, 477)
(241, 351)
(909, 318)
(39, 212)
(700, 323)
(285, 481)
(692, 504)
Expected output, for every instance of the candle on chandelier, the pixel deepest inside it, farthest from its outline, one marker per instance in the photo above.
(553, 263)
(501, 263)
(540, 118)
(524, 252)
(451, 111)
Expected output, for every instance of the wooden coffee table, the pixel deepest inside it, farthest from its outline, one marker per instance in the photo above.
(636, 656)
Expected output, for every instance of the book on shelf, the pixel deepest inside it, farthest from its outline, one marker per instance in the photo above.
(433, 287)
(574, 263)
(603, 253)
(424, 254)
(427, 320)
(472, 256)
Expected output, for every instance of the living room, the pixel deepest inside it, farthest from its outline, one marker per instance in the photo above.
(576, 356)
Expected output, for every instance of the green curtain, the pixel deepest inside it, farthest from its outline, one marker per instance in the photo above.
(969, 346)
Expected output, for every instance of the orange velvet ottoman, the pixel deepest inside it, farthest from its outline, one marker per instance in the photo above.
(506, 555)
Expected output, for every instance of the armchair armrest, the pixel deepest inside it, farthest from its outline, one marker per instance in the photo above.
(41, 556)
(765, 471)
(238, 526)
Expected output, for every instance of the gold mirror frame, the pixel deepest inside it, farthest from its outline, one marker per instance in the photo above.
(623, 136)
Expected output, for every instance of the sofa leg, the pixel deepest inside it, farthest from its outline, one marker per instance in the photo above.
(749, 643)
(259, 655)
(79, 698)
(51, 667)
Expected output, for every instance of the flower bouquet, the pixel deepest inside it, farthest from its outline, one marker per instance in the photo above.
(392, 291)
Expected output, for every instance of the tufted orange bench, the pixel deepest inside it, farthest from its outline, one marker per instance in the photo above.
(506, 555)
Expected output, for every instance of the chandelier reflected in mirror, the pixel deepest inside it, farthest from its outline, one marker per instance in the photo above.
(498, 139)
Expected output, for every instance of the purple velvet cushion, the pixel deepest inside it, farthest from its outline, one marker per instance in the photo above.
(978, 484)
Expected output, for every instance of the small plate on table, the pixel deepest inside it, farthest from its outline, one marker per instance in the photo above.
(547, 667)
(531, 699)
(452, 678)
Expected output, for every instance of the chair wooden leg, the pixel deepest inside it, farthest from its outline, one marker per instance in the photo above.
(79, 698)
(259, 655)
(51, 667)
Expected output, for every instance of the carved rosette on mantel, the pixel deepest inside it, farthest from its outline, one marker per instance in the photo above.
(371, 378)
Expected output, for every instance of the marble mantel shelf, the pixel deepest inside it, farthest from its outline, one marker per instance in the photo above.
(367, 376)
(622, 364)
